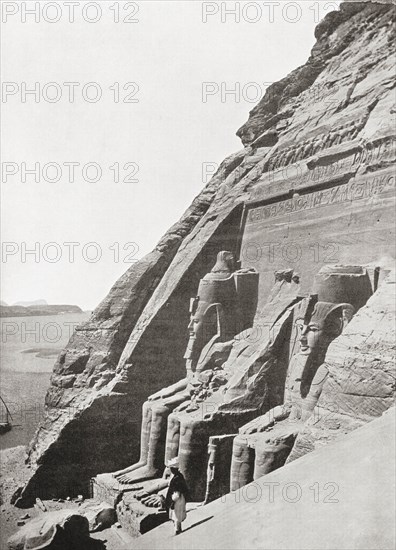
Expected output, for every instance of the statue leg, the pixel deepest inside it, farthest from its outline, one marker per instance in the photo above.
(155, 414)
(271, 455)
(155, 462)
(193, 450)
(144, 441)
(242, 462)
(172, 438)
(219, 465)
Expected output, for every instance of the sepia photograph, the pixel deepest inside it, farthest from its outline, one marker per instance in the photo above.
(198, 277)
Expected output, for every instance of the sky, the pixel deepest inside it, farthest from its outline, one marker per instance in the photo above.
(132, 105)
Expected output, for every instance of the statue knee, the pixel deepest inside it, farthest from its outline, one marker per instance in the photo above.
(146, 408)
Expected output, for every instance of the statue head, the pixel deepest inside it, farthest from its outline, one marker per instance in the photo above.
(225, 262)
(321, 324)
(343, 284)
(318, 324)
(338, 291)
(210, 309)
(202, 322)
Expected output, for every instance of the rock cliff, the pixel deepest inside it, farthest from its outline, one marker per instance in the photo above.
(320, 144)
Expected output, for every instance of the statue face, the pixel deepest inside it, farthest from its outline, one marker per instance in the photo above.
(195, 327)
(196, 336)
(202, 327)
(195, 321)
(324, 325)
(192, 326)
(310, 336)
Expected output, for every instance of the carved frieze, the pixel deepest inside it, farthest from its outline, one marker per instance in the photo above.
(359, 188)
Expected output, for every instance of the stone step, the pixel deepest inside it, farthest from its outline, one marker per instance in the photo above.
(105, 487)
(133, 516)
(136, 518)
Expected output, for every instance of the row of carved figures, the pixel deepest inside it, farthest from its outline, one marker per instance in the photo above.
(340, 134)
(252, 379)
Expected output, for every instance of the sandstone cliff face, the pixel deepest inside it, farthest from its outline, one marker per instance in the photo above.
(336, 38)
(338, 105)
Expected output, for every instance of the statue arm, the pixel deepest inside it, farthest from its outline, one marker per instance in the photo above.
(178, 398)
(267, 420)
(169, 391)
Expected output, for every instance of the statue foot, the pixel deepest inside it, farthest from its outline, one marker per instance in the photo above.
(150, 487)
(153, 501)
(136, 487)
(129, 469)
(138, 475)
(142, 494)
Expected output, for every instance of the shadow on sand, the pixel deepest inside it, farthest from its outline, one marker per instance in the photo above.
(198, 523)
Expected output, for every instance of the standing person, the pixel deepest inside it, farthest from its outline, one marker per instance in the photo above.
(175, 500)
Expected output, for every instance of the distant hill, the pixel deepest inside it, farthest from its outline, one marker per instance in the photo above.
(3, 303)
(34, 303)
(44, 309)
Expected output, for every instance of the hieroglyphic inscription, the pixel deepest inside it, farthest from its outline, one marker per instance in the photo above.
(364, 187)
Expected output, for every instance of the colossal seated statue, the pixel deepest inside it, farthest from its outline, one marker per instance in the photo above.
(264, 444)
(224, 305)
(258, 361)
